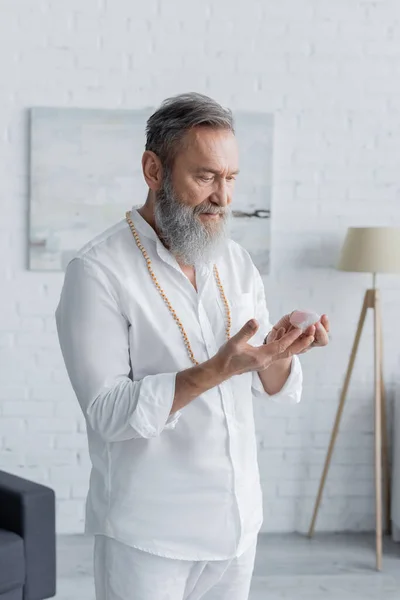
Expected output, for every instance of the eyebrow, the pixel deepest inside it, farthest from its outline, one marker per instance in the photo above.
(214, 171)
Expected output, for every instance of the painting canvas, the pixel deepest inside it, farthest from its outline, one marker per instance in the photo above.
(85, 172)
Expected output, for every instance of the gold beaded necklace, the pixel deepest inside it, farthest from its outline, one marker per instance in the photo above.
(167, 302)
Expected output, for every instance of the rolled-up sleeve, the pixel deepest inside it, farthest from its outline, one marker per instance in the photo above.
(94, 339)
(291, 391)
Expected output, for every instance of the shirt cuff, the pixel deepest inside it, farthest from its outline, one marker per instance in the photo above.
(291, 390)
(152, 412)
(172, 420)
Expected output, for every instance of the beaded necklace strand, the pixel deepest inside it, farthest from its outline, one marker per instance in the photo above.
(167, 302)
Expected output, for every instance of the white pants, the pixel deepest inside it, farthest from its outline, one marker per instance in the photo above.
(124, 573)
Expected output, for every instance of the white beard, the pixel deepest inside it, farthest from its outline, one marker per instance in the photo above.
(181, 230)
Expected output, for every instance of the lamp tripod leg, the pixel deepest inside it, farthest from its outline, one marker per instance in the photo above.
(378, 428)
(385, 443)
(340, 410)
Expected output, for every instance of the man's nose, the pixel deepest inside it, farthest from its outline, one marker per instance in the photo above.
(221, 194)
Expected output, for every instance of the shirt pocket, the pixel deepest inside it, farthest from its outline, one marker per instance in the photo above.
(242, 310)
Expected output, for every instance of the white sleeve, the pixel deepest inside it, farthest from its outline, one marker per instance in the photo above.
(292, 389)
(93, 336)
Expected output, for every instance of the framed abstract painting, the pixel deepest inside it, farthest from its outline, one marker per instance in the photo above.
(85, 172)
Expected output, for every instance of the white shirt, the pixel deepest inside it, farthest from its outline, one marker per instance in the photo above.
(184, 486)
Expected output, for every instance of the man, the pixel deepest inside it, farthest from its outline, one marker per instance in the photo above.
(162, 323)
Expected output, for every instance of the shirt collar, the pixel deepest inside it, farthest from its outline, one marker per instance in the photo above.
(142, 226)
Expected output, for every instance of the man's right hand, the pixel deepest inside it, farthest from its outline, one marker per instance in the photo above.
(237, 356)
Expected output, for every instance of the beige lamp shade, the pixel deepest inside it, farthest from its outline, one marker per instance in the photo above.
(371, 250)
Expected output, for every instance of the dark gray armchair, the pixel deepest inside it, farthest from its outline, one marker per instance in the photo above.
(27, 540)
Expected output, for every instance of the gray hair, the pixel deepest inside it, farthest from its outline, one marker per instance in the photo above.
(176, 116)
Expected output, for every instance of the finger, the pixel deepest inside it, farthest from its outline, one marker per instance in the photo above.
(274, 334)
(321, 335)
(325, 323)
(281, 333)
(271, 337)
(283, 322)
(278, 347)
(301, 345)
(310, 330)
(247, 331)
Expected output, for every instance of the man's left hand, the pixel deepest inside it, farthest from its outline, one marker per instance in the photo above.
(319, 331)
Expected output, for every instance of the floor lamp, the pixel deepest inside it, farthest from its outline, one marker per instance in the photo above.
(369, 250)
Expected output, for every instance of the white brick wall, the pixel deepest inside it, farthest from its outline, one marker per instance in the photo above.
(330, 72)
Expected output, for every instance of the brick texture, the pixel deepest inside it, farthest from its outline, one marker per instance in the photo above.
(330, 73)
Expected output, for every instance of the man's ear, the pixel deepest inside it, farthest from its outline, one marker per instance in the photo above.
(152, 170)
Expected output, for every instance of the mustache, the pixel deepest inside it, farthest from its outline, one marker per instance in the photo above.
(211, 209)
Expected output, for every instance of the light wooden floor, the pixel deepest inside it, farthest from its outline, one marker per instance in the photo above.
(289, 567)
